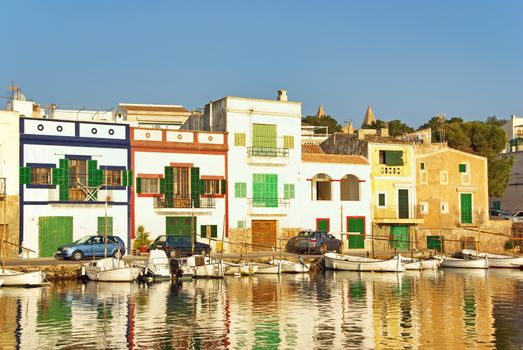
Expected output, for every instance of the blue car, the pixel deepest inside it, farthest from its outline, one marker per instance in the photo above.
(89, 246)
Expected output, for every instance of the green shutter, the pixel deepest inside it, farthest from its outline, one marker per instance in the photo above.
(394, 158)
(92, 173)
(434, 242)
(264, 135)
(55, 172)
(162, 186)
(123, 177)
(288, 141)
(25, 175)
(403, 204)
(322, 225)
(195, 187)
(381, 199)
(203, 231)
(223, 186)
(466, 208)
(214, 231)
(101, 225)
(129, 178)
(463, 168)
(64, 180)
(496, 205)
(240, 189)
(138, 185)
(169, 186)
(265, 190)
(288, 190)
(239, 139)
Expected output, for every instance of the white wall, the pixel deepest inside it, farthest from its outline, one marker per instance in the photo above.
(9, 150)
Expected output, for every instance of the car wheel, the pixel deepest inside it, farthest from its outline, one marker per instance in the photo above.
(323, 249)
(117, 254)
(77, 255)
(173, 253)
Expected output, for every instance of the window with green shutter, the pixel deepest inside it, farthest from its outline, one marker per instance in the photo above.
(25, 175)
(207, 231)
(381, 199)
(422, 166)
(241, 224)
(463, 168)
(264, 135)
(240, 190)
(265, 190)
(239, 139)
(288, 141)
(288, 190)
(101, 225)
(391, 158)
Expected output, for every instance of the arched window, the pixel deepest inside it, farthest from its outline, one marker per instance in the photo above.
(321, 187)
(350, 188)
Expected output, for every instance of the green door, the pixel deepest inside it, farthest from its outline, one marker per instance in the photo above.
(356, 241)
(265, 190)
(53, 231)
(322, 225)
(264, 135)
(399, 237)
(434, 242)
(403, 204)
(466, 208)
(180, 226)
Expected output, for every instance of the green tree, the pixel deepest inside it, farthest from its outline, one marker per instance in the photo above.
(397, 128)
(378, 124)
(325, 120)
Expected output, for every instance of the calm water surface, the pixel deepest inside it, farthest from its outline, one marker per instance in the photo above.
(451, 309)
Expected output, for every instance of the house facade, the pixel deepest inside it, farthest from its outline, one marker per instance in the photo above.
(74, 181)
(181, 184)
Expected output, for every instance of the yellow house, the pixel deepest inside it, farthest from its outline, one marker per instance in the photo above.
(452, 189)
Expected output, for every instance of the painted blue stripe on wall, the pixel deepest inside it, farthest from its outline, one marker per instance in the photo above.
(70, 140)
(40, 165)
(39, 186)
(112, 167)
(77, 157)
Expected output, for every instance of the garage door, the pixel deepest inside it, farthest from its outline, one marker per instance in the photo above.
(53, 231)
(263, 234)
(180, 225)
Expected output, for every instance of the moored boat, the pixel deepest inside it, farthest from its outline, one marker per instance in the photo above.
(482, 263)
(110, 270)
(355, 263)
(268, 269)
(495, 260)
(204, 266)
(22, 279)
(243, 269)
(291, 267)
(157, 266)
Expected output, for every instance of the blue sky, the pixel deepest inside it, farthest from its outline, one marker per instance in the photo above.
(409, 60)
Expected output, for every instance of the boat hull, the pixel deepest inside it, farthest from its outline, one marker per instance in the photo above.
(268, 269)
(126, 274)
(291, 267)
(354, 263)
(465, 263)
(496, 260)
(430, 264)
(22, 279)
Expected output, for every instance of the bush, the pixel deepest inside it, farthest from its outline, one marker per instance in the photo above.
(142, 238)
(510, 244)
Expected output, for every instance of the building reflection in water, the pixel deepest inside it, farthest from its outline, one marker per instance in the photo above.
(335, 310)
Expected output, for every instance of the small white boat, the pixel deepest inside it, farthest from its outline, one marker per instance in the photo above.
(157, 266)
(482, 263)
(355, 263)
(110, 270)
(287, 266)
(22, 279)
(204, 266)
(272, 269)
(243, 269)
(419, 264)
(430, 264)
(495, 260)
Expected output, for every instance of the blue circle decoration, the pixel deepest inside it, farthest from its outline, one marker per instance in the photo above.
(40, 127)
(59, 128)
(94, 131)
(111, 132)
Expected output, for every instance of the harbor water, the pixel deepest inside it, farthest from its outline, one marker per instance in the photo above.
(452, 309)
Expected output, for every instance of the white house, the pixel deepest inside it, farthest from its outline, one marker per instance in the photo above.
(74, 181)
(180, 183)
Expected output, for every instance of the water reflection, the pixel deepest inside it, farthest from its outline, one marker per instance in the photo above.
(334, 310)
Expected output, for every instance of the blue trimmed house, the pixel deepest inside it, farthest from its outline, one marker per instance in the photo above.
(74, 181)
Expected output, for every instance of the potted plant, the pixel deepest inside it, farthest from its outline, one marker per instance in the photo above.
(142, 240)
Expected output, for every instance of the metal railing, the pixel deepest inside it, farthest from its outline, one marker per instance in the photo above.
(269, 202)
(184, 201)
(391, 170)
(256, 151)
(394, 212)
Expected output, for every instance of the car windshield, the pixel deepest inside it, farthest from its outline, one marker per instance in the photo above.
(82, 240)
(306, 234)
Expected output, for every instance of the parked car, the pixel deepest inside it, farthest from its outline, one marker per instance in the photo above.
(88, 246)
(313, 241)
(517, 216)
(495, 214)
(177, 246)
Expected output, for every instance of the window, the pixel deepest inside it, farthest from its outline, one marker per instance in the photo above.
(382, 200)
(77, 173)
(288, 141)
(463, 168)
(422, 166)
(211, 186)
(265, 190)
(239, 139)
(444, 207)
(149, 185)
(241, 224)
(41, 176)
(321, 187)
(288, 190)
(240, 190)
(391, 158)
(443, 177)
(209, 231)
(350, 188)
(102, 225)
(181, 180)
(424, 207)
(113, 177)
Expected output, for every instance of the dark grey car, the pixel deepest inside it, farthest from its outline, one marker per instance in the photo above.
(312, 241)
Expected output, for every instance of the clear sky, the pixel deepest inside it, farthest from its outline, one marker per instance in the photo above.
(409, 60)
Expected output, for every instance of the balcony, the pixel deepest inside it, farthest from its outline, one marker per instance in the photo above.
(185, 201)
(396, 215)
(3, 190)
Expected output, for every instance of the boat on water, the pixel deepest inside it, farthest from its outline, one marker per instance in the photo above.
(495, 260)
(110, 270)
(287, 266)
(419, 264)
(13, 278)
(243, 269)
(272, 269)
(204, 266)
(337, 261)
(157, 266)
(481, 263)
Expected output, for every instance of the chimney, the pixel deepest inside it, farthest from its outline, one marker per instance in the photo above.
(282, 95)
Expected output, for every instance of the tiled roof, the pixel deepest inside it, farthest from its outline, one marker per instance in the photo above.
(333, 158)
(311, 148)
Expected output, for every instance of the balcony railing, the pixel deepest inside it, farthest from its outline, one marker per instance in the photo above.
(267, 152)
(391, 170)
(394, 212)
(269, 202)
(2, 186)
(184, 201)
